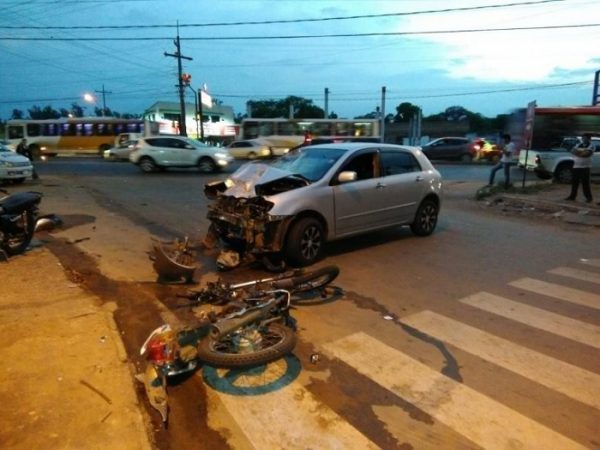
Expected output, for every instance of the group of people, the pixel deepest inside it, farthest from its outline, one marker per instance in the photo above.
(25, 150)
(582, 164)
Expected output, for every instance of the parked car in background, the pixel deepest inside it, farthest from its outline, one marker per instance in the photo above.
(120, 152)
(13, 167)
(249, 149)
(162, 152)
(450, 148)
(289, 207)
(557, 162)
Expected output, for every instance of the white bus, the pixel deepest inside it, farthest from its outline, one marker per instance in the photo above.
(293, 132)
(91, 135)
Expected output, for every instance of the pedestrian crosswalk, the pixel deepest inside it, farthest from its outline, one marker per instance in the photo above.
(483, 421)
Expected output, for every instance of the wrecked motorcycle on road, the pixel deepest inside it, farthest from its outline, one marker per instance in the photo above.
(244, 334)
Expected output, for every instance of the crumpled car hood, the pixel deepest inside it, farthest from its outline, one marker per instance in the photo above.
(255, 179)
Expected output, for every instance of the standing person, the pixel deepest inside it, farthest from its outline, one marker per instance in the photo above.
(508, 148)
(23, 149)
(582, 164)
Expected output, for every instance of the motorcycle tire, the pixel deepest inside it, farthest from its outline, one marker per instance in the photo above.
(14, 245)
(225, 353)
(304, 281)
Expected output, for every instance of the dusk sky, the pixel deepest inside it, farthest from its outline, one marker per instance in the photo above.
(393, 43)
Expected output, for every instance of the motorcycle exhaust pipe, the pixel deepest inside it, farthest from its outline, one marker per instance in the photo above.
(228, 325)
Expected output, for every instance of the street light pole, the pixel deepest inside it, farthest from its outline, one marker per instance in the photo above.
(179, 56)
(103, 92)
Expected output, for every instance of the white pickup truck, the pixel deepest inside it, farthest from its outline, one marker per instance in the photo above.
(557, 162)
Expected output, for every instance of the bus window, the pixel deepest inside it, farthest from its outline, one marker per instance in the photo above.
(214, 119)
(363, 129)
(68, 129)
(88, 129)
(50, 129)
(287, 129)
(15, 132)
(322, 129)
(33, 129)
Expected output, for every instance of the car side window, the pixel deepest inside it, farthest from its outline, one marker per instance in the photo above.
(395, 163)
(364, 165)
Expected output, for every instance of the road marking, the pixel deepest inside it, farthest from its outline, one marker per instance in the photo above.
(577, 274)
(560, 376)
(292, 418)
(583, 332)
(557, 291)
(484, 421)
(590, 262)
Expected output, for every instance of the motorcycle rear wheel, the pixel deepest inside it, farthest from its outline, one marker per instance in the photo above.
(268, 343)
(16, 244)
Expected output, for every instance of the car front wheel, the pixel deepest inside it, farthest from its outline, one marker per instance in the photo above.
(305, 241)
(426, 218)
(563, 173)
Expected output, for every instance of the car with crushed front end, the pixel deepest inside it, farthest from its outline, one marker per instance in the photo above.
(162, 152)
(290, 207)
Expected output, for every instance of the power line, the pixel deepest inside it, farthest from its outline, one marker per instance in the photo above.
(307, 36)
(271, 22)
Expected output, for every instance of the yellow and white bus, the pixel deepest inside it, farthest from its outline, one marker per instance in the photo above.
(80, 135)
(293, 132)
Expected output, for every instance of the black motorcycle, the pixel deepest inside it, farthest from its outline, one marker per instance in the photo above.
(19, 218)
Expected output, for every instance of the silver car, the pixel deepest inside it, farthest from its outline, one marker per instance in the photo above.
(291, 206)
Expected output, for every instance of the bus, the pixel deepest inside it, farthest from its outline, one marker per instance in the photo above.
(288, 133)
(79, 135)
(544, 128)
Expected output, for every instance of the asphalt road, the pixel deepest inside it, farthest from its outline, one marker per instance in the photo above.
(485, 334)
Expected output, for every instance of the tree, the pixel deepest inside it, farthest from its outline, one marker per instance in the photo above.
(47, 113)
(405, 112)
(300, 107)
(76, 110)
(16, 114)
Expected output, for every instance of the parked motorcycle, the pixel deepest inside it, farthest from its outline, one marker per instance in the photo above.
(245, 334)
(19, 218)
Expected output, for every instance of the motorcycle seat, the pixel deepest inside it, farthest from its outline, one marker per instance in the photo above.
(20, 201)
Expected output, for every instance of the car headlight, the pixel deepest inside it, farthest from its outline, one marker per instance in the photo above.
(221, 155)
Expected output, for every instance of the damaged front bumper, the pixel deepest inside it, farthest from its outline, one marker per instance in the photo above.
(246, 221)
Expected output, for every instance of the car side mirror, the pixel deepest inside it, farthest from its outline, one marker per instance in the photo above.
(347, 176)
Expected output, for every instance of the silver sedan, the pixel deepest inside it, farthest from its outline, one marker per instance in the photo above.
(292, 206)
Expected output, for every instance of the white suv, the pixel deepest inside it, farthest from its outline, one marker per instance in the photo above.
(161, 152)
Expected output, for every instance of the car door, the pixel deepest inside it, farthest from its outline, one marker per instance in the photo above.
(403, 185)
(358, 204)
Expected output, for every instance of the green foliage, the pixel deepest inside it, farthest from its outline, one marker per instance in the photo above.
(405, 112)
(302, 108)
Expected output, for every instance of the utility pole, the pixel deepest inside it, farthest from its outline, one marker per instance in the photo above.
(383, 114)
(103, 92)
(326, 103)
(179, 56)
(596, 95)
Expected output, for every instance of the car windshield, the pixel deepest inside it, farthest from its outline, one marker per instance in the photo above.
(311, 162)
(4, 148)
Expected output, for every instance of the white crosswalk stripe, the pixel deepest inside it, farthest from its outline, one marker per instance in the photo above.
(484, 421)
(570, 380)
(583, 332)
(583, 275)
(564, 293)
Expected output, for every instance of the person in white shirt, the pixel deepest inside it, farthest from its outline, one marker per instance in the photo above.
(582, 164)
(505, 162)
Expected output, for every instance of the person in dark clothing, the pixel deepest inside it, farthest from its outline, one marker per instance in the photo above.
(582, 164)
(23, 149)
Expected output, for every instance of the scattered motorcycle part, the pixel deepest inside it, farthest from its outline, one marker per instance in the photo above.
(174, 261)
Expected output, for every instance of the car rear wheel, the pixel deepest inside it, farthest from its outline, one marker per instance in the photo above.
(564, 173)
(426, 218)
(251, 155)
(206, 165)
(147, 165)
(305, 241)
(466, 157)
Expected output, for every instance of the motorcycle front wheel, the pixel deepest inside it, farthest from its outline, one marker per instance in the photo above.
(249, 347)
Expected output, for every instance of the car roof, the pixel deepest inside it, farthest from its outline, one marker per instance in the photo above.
(353, 146)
